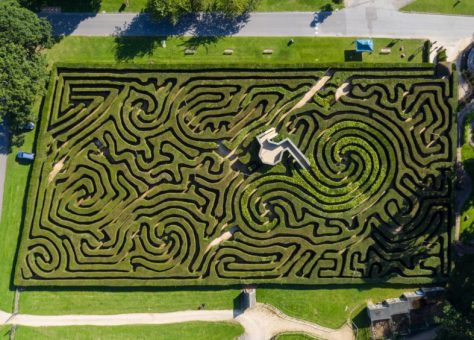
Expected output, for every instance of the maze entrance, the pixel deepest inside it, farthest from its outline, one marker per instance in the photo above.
(152, 177)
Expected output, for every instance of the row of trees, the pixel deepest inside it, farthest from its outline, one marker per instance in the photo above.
(458, 321)
(23, 68)
(173, 10)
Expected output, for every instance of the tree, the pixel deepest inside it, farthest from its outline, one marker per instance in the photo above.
(22, 77)
(461, 286)
(458, 319)
(173, 10)
(454, 326)
(23, 27)
(234, 7)
(169, 9)
(23, 69)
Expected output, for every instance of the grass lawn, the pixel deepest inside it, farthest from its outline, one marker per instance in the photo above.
(4, 332)
(329, 307)
(118, 5)
(246, 50)
(465, 7)
(182, 331)
(124, 301)
(297, 5)
(99, 5)
(293, 336)
(139, 5)
(15, 187)
(467, 220)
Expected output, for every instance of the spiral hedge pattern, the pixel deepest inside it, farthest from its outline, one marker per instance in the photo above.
(139, 172)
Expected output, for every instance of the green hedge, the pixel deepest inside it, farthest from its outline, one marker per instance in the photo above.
(130, 186)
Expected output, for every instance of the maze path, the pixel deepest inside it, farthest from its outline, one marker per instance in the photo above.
(130, 186)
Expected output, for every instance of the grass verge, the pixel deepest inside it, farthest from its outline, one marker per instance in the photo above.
(12, 212)
(467, 218)
(148, 50)
(297, 5)
(140, 5)
(182, 331)
(463, 7)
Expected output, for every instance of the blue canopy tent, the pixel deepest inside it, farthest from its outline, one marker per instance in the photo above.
(364, 45)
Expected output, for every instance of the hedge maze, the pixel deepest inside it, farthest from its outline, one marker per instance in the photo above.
(152, 177)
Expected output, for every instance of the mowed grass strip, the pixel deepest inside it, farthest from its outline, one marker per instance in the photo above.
(467, 221)
(146, 50)
(80, 301)
(297, 5)
(182, 331)
(460, 7)
(12, 211)
(140, 5)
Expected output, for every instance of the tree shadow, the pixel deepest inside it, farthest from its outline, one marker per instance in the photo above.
(362, 322)
(128, 48)
(138, 37)
(352, 55)
(237, 304)
(66, 5)
(208, 28)
(321, 16)
(4, 139)
(65, 23)
(461, 286)
(416, 232)
(204, 29)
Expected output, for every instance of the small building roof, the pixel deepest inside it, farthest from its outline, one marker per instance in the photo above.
(364, 45)
(433, 292)
(378, 312)
(397, 306)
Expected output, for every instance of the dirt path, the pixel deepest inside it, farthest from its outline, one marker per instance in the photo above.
(117, 319)
(343, 90)
(312, 91)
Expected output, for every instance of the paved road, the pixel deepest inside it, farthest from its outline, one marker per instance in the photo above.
(363, 18)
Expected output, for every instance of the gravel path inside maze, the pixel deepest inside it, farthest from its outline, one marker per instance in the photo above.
(130, 186)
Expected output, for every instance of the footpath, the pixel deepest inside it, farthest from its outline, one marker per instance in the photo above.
(261, 322)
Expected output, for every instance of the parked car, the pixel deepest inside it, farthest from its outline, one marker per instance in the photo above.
(25, 156)
(29, 126)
